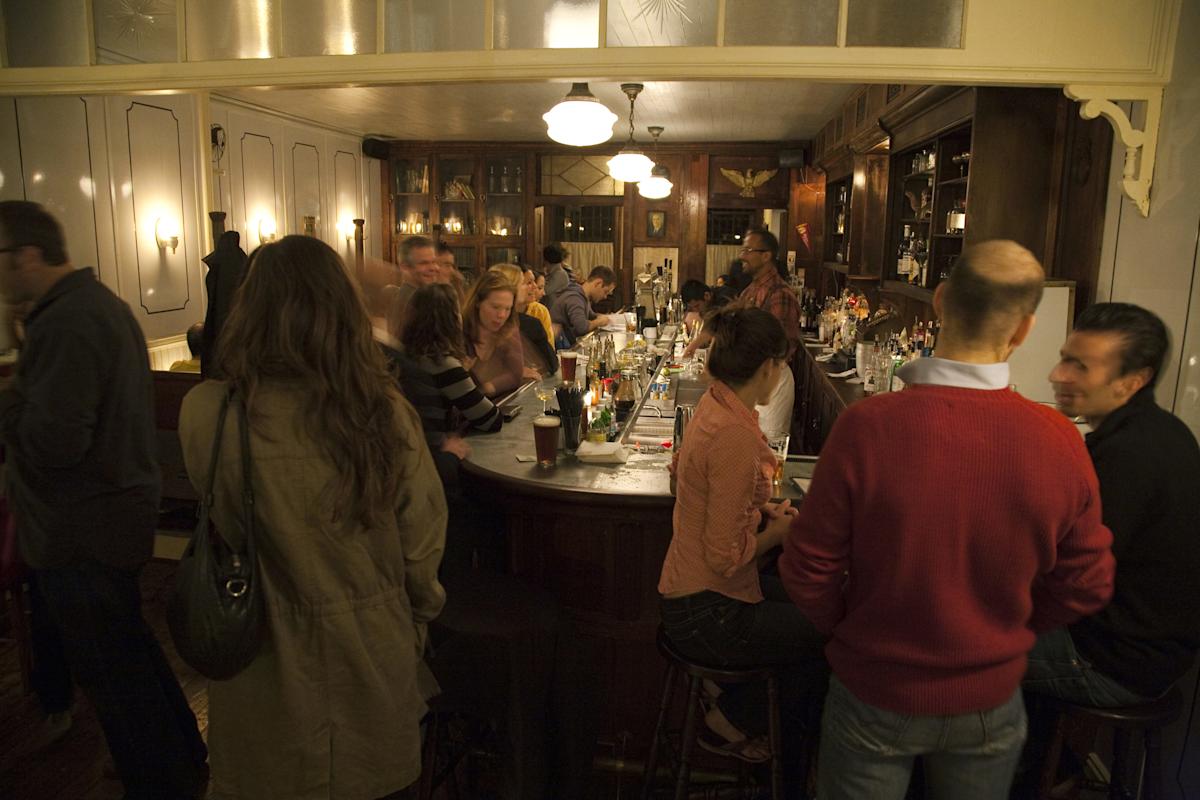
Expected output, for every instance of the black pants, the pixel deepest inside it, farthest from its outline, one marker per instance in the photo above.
(722, 632)
(51, 677)
(117, 662)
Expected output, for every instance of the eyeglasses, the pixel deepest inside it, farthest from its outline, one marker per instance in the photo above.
(753, 250)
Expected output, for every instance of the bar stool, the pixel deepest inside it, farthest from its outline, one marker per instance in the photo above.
(696, 674)
(1148, 719)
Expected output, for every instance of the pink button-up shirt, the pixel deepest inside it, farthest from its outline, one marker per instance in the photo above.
(722, 479)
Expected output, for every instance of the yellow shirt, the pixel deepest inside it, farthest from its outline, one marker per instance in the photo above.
(187, 365)
(542, 315)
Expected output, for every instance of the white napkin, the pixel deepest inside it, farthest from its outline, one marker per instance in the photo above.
(601, 453)
(845, 374)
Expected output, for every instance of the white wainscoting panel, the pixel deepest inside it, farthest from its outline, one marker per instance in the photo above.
(12, 183)
(346, 193)
(372, 205)
(272, 161)
(304, 183)
(55, 134)
(260, 189)
(152, 147)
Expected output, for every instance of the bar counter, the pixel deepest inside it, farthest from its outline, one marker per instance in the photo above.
(594, 537)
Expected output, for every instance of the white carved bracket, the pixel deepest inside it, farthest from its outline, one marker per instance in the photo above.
(1140, 145)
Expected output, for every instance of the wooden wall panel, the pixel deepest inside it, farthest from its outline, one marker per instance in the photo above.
(694, 191)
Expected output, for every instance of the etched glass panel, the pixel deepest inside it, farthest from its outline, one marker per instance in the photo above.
(135, 30)
(533, 24)
(579, 176)
(47, 33)
(905, 23)
(221, 29)
(644, 23)
(781, 22)
(425, 25)
(328, 27)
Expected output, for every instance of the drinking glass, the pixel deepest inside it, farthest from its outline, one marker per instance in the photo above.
(545, 439)
(542, 390)
(568, 359)
(779, 441)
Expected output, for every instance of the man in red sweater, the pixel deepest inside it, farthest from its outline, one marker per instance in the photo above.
(946, 526)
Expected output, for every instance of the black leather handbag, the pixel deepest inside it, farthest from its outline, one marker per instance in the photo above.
(216, 612)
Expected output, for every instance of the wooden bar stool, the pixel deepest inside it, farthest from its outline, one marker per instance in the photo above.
(1147, 719)
(696, 674)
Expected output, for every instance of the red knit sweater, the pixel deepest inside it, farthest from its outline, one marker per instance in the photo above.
(967, 521)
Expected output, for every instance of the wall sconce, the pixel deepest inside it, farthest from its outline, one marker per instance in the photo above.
(166, 233)
(345, 229)
(266, 230)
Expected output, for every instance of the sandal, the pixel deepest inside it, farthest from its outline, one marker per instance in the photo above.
(751, 751)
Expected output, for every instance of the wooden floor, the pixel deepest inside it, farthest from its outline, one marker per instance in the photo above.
(77, 767)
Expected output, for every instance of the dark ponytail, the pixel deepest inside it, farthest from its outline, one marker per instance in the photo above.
(743, 338)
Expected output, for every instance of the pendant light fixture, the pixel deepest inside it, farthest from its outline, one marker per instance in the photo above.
(631, 164)
(579, 119)
(658, 185)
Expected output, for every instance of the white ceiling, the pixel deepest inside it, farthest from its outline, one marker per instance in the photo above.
(691, 111)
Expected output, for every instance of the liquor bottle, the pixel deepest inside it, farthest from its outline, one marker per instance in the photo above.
(841, 221)
(902, 252)
(516, 185)
(493, 185)
(918, 336)
(504, 187)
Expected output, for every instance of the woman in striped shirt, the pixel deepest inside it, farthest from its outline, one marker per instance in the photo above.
(434, 379)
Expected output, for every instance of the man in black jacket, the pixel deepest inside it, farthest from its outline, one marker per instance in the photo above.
(1148, 464)
(78, 426)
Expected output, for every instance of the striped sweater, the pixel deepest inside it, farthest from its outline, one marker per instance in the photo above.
(445, 395)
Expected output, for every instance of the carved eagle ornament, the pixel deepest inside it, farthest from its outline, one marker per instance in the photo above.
(749, 180)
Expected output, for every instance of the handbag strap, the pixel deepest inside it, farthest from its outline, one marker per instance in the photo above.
(207, 500)
(249, 522)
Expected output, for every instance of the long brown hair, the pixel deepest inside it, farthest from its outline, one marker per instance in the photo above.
(299, 317)
(490, 281)
(433, 327)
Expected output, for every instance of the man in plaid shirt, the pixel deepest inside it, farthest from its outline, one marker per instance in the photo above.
(770, 292)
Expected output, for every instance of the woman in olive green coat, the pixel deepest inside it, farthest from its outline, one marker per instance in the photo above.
(351, 528)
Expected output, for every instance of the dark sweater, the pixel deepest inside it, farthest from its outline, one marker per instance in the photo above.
(533, 335)
(78, 422)
(968, 520)
(1149, 469)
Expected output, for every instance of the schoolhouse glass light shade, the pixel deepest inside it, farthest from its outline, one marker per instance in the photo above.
(658, 185)
(630, 165)
(579, 119)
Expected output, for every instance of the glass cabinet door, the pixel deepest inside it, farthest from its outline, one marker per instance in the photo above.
(504, 208)
(410, 195)
(457, 193)
(503, 255)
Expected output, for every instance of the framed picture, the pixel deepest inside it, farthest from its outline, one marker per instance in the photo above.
(656, 224)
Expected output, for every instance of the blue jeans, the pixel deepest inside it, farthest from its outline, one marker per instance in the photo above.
(1056, 669)
(867, 753)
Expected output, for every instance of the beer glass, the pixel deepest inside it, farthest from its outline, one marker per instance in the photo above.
(545, 439)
